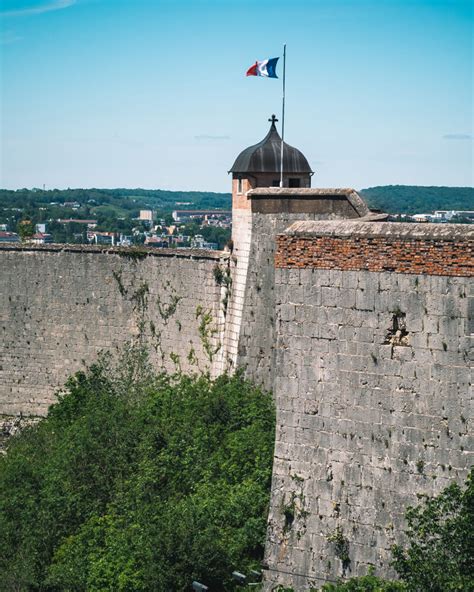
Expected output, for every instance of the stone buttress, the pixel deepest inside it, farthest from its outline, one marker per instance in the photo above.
(373, 388)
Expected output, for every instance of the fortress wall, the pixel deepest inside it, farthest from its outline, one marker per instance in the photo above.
(363, 331)
(239, 269)
(271, 215)
(61, 305)
(372, 389)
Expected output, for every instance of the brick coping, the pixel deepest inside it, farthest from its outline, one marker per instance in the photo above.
(390, 230)
(378, 247)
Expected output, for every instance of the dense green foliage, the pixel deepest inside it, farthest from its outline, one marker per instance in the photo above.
(368, 583)
(133, 485)
(440, 552)
(25, 229)
(407, 199)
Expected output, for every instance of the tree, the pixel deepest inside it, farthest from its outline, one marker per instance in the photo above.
(138, 482)
(26, 229)
(440, 552)
(216, 234)
(368, 583)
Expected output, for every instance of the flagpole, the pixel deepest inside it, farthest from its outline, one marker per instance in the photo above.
(283, 116)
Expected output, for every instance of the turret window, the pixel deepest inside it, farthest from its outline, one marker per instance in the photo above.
(239, 185)
(294, 182)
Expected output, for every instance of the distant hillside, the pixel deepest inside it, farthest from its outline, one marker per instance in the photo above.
(412, 199)
(120, 199)
(393, 199)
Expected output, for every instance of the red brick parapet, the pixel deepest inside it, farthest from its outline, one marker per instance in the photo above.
(431, 249)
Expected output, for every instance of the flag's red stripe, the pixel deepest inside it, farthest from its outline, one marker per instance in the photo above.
(252, 71)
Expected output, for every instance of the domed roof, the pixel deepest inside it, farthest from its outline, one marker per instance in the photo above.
(264, 157)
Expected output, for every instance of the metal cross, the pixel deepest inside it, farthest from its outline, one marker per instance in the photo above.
(273, 119)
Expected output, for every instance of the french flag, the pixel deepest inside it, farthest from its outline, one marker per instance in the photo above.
(265, 68)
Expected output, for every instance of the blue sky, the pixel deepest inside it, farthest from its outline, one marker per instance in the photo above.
(153, 93)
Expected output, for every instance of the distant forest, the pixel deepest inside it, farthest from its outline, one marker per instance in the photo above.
(116, 203)
(412, 199)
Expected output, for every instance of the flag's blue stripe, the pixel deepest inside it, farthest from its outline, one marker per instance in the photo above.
(271, 67)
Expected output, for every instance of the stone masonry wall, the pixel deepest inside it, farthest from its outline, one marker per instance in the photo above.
(372, 390)
(60, 306)
(256, 333)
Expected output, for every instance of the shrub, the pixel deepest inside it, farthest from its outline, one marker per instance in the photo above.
(137, 485)
(439, 556)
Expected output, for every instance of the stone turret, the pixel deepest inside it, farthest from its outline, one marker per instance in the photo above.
(259, 166)
(260, 210)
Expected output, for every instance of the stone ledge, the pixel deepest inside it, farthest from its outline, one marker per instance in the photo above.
(130, 252)
(351, 195)
(373, 229)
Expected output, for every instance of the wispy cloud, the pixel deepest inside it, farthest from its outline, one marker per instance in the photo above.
(213, 138)
(7, 37)
(39, 8)
(457, 137)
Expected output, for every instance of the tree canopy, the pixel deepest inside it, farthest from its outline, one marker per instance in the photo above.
(138, 484)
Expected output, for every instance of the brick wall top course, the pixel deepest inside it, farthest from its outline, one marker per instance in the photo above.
(431, 249)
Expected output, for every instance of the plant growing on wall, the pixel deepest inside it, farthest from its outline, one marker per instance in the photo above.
(167, 310)
(133, 253)
(223, 278)
(218, 273)
(294, 508)
(207, 332)
(118, 278)
(140, 297)
(341, 547)
(368, 583)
